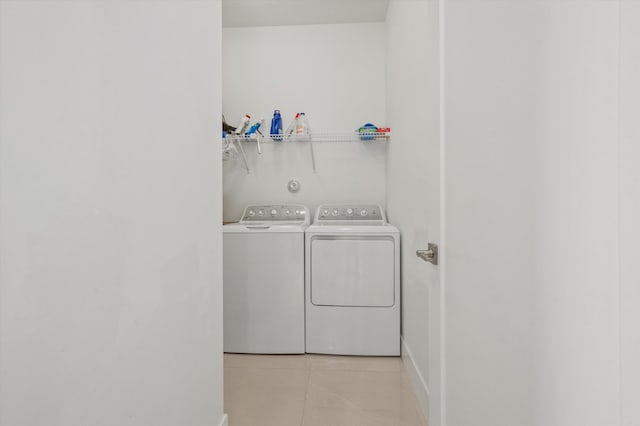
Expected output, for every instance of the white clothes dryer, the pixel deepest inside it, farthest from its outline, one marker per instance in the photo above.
(264, 280)
(352, 282)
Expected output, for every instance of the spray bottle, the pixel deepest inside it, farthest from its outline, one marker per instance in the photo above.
(302, 127)
(244, 125)
(255, 129)
(292, 127)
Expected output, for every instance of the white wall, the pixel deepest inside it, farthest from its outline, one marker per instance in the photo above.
(333, 73)
(413, 180)
(110, 261)
(630, 210)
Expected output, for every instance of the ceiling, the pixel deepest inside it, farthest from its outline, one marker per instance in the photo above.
(256, 13)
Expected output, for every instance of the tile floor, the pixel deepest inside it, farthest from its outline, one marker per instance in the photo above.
(318, 390)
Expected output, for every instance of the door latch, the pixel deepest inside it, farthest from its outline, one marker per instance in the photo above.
(430, 255)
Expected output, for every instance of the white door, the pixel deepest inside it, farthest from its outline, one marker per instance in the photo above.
(413, 190)
(533, 151)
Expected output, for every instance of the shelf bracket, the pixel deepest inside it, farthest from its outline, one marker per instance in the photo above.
(313, 156)
(238, 142)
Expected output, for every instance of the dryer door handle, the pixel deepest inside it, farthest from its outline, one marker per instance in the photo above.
(258, 226)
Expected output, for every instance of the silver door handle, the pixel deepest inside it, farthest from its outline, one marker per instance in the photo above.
(430, 255)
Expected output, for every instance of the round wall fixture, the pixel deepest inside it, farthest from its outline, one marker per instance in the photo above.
(293, 186)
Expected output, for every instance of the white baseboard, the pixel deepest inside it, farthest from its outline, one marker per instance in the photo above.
(224, 421)
(419, 385)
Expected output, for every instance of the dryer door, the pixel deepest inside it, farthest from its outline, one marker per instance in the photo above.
(352, 271)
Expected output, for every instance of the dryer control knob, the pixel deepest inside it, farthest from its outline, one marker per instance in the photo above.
(287, 212)
(350, 212)
(274, 212)
(325, 212)
(364, 212)
(260, 212)
(252, 213)
(335, 212)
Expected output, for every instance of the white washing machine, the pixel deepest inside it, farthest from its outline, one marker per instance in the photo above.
(264, 280)
(352, 282)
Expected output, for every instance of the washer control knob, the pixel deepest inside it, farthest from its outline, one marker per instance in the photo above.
(297, 212)
(364, 212)
(325, 212)
(251, 213)
(260, 212)
(274, 212)
(335, 212)
(350, 212)
(287, 212)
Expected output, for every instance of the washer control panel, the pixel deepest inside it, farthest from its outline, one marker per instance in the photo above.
(364, 213)
(276, 213)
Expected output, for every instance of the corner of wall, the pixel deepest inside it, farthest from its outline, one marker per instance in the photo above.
(224, 421)
(417, 380)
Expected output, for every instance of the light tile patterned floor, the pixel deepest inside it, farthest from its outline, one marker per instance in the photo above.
(318, 390)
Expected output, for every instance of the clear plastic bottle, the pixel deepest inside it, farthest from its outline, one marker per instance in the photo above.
(292, 127)
(276, 126)
(303, 131)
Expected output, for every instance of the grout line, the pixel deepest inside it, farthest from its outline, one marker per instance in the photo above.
(306, 392)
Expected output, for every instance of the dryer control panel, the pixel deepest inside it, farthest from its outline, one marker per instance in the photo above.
(352, 213)
(276, 213)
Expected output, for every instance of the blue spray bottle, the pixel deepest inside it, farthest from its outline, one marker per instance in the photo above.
(256, 129)
(253, 129)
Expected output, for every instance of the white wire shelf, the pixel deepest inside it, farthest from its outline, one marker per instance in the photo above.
(231, 141)
(317, 137)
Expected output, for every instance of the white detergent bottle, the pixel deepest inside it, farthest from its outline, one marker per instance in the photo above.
(302, 127)
(244, 125)
(292, 127)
